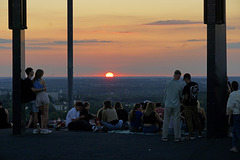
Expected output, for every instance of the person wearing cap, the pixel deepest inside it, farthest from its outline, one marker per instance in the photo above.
(190, 103)
(172, 95)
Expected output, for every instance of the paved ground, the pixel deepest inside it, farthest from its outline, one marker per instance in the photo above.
(62, 145)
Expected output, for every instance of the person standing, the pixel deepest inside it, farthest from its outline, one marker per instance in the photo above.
(190, 103)
(42, 100)
(29, 97)
(172, 95)
(233, 106)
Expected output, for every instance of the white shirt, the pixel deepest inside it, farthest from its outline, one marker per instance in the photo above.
(233, 103)
(72, 114)
(172, 93)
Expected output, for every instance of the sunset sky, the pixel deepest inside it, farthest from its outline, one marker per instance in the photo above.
(125, 37)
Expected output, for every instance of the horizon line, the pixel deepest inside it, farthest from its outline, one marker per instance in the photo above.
(116, 76)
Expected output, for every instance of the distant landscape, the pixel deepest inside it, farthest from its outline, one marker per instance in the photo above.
(127, 90)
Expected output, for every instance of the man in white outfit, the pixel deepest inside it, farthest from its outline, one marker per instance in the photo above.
(172, 95)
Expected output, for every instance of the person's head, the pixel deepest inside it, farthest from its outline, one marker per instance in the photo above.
(0, 104)
(187, 77)
(177, 74)
(145, 103)
(234, 85)
(137, 107)
(107, 104)
(150, 108)
(159, 104)
(78, 105)
(86, 105)
(118, 105)
(29, 72)
(38, 75)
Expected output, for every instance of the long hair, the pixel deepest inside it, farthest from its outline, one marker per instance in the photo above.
(132, 112)
(38, 75)
(150, 108)
(118, 105)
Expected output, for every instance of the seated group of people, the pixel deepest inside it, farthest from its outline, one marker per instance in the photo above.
(140, 119)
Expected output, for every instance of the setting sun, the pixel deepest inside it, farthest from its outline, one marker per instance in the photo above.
(109, 74)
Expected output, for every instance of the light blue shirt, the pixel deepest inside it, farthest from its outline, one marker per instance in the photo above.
(173, 93)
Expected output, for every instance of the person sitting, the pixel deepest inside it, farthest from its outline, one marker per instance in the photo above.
(135, 118)
(4, 118)
(110, 118)
(122, 114)
(151, 119)
(160, 110)
(76, 122)
(85, 112)
(99, 116)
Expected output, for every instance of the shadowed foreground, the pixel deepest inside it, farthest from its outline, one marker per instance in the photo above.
(61, 145)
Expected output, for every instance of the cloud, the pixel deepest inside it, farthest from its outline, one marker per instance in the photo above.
(231, 28)
(233, 45)
(38, 48)
(173, 22)
(83, 41)
(5, 40)
(2, 47)
(196, 40)
(124, 32)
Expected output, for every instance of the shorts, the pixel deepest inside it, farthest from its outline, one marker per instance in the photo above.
(32, 106)
(42, 99)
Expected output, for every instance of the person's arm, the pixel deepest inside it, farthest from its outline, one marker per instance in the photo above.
(230, 113)
(204, 115)
(6, 111)
(158, 118)
(44, 84)
(35, 90)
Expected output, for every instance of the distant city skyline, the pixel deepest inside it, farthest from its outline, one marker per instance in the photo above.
(127, 37)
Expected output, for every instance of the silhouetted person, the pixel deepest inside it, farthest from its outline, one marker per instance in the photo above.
(29, 97)
(122, 114)
(135, 118)
(233, 106)
(110, 118)
(42, 100)
(190, 92)
(4, 118)
(172, 95)
(76, 122)
(151, 120)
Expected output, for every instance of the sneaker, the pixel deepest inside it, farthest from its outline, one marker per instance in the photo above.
(234, 149)
(97, 128)
(164, 139)
(190, 137)
(35, 131)
(200, 136)
(179, 139)
(46, 131)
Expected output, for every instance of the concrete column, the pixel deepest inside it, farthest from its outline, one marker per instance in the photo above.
(216, 68)
(70, 52)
